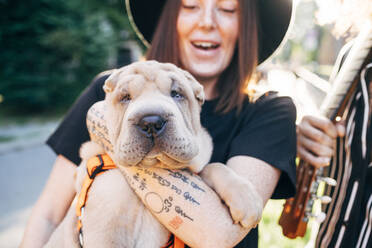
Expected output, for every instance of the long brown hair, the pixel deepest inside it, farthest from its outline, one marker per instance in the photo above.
(233, 82)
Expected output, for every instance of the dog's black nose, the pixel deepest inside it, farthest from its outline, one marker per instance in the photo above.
(152, 125)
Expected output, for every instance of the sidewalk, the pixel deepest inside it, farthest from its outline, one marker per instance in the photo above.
(25, 163)
(20, 136)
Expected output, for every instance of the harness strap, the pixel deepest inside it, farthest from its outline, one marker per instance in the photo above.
(174, 242)
(95, 166)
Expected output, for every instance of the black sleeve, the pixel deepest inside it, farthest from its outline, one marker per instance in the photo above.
(270, 135)
(72, 132)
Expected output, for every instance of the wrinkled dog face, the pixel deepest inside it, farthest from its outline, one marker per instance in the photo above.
(152, 114)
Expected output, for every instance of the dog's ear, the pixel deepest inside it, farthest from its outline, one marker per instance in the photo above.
(109, 85)
(197, 88)
(198, 92)
(111, 81)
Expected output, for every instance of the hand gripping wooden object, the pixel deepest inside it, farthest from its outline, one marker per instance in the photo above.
(298, 210)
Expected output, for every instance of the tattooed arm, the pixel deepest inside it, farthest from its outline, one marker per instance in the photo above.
(186, 206)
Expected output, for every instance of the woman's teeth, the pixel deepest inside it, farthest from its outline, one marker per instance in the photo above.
(205, 45)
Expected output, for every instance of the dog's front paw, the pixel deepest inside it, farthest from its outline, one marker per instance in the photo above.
(244, 203)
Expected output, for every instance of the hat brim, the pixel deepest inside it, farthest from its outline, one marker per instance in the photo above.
(275, 18)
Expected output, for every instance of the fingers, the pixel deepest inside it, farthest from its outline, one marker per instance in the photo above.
(322, 125)
(323, 147)
(316, 139)
(312, 159)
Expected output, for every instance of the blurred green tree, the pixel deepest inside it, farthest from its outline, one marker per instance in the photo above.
(51, 49)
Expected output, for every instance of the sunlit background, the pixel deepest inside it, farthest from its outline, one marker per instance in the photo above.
(52, 49)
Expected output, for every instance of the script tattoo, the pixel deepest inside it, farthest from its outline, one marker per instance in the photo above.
(179, 175)
(97, 129)
(162, 181)
(139, 179)
(136, 177)
(185, 179)
(182, 213)
(168, 204)
(154, 201)
(143, 184)
(177, 190)
(195, 186)
(190, 198)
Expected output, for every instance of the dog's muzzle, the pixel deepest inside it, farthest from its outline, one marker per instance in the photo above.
(151, 126)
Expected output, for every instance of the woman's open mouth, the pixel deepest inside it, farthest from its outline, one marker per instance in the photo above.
(205, 45)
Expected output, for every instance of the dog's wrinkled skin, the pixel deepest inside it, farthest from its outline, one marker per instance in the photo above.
(162, 93)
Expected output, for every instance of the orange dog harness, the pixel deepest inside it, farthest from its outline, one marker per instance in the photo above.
(95, 166)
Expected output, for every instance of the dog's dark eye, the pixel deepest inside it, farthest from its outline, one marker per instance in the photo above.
(125, 99)
(176, 95)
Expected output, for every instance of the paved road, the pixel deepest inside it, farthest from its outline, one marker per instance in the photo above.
(22, 177)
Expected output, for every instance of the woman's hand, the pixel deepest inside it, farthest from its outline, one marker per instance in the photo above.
(316, 139)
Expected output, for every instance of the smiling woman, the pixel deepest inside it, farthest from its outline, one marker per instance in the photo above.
(220, 42)
(207, 37)
(205, 41)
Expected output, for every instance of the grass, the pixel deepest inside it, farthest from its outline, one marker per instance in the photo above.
(270, 232)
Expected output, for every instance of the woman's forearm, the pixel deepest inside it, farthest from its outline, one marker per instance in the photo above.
(186, 206)
(39, 228)
(52, 205)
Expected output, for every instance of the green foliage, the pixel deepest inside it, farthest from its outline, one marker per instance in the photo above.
(270, 232)
(51, 49)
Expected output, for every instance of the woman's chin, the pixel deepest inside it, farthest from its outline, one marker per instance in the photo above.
(205, 72)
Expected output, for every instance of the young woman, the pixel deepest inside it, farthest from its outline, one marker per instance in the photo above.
(220, 42)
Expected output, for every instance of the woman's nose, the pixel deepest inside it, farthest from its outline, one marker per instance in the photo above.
(208, 19)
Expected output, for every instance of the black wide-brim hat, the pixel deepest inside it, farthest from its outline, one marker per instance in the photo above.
(274, 20)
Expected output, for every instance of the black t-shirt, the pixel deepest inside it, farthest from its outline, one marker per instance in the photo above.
(264, 130)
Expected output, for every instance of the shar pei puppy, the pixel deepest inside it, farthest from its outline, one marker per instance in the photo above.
(150, 118)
